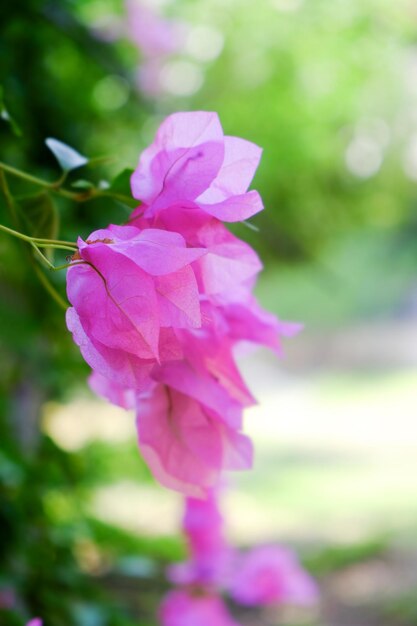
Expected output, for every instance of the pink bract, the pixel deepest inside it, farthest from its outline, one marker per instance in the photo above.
(132, 285)
(182, 608)
(35, 621)
(271, 575)
(186, 445)
(191, 163)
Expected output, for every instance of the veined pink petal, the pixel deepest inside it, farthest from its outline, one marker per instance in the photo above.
(185, 157)
(182, 377)
(117, 304)
(160, 252)
(185, 218)
(178, 299)
(157, 252)
(235, 208)
(185, 448)
(210, 353)
(225, 266)
(170, 348)
(241, 159)
(123, 368)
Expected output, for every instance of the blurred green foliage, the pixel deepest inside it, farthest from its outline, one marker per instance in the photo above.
(326, 88)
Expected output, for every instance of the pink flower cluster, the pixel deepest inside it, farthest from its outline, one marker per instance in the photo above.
(266, 575)
(160, 305)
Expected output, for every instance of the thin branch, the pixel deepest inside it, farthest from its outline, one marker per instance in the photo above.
(42, 256)
(44, 243)
(55, 187)
(56, 268)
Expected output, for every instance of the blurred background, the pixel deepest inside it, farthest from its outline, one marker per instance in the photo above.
(329, 90)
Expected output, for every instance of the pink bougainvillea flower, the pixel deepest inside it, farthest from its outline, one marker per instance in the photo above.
(132, 285)
(36, 621)
(182, 608)
(271, 575)
(186, 445)
(160, 307)
(154, 35)
(191, 163)
(210, 556)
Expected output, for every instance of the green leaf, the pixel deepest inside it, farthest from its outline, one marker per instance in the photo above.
(39, 215)
(5, 115)
(68, 158)
(121, 182)
(120, 190)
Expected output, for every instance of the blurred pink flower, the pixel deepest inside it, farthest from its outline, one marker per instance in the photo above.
(158, 39)
(271, 575)
(183, 608)
(192, 164)
(265, 575)
(148, 77)
(210, 556)
(154, 35)
(36, 621)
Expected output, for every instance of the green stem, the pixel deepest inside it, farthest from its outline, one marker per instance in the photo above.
(64, 267)
(51, 266)
(61, 180)
(55, 187)
(28, 177)
(42, 256)
(54, 245)
(58, 242)
(45, 243)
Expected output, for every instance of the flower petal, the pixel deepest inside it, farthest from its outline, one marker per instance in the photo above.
(182, 162)
(241, 159)
(116, 301)
(235, 208)
(185, 448)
